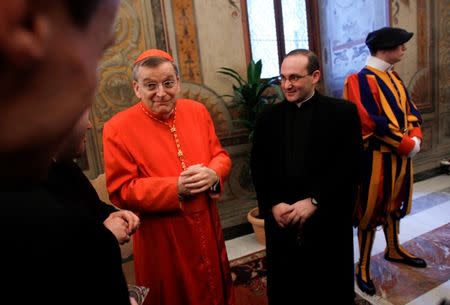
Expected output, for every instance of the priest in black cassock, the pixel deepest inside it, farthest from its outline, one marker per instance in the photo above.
(305, 168)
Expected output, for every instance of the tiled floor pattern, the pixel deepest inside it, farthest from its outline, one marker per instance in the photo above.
(399, 284)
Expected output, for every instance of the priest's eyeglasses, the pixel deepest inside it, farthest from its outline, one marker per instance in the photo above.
(293, 78)
(168, 84)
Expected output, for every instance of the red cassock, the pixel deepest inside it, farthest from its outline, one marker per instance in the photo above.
(179, 250)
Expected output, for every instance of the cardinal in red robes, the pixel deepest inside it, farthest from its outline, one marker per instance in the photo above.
(164, 161)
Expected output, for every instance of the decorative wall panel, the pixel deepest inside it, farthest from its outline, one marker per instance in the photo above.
(422, 33)
(421, 83)
(344, 25)
(134, 32)
(443, 31)
(429, 85)
(446, 125)
(215, 105)
(187, 42)
(427, 131)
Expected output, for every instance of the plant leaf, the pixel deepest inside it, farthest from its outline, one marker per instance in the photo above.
(232, 73)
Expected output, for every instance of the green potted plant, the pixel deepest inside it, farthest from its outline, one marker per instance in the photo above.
(253, 95)
(250, 97)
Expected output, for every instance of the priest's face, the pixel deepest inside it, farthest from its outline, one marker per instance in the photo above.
(297, 83)
(157, 87)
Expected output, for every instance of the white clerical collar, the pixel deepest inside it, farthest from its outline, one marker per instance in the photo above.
(299, 104)
(378, 64)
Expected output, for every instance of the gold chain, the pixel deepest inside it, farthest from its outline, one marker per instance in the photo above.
(173, 131)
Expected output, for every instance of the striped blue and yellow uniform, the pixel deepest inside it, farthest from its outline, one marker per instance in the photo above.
(389, 120)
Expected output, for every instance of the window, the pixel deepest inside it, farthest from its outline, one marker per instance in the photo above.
(276, 27)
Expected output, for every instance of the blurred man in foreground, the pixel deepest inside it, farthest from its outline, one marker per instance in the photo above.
(53, 253)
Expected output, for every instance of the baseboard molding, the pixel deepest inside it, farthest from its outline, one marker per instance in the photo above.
(237, 231)
(430, 173)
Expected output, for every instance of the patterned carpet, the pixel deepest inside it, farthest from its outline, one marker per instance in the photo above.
(249, 278)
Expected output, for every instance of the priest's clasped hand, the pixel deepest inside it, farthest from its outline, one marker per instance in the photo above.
(287, 215)
(302, 210)
(281, 212)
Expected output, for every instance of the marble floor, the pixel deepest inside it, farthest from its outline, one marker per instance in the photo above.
(425, 232)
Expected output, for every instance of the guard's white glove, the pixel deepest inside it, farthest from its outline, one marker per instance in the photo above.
(416, 148)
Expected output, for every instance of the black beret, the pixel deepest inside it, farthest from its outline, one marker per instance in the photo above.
(387, 38)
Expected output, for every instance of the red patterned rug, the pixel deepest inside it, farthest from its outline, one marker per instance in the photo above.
(249, 278)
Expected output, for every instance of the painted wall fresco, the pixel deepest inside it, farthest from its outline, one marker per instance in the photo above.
(132, 35)
(344, 26)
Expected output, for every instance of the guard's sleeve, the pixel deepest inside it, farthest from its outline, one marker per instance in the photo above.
(375, 114)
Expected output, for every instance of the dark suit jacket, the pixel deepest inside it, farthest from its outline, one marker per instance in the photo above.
(302, 267)
(56, 252)
(66, 180)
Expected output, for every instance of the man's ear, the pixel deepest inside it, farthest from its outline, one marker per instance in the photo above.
(24, 33)
(316, 76)
(136, 89)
